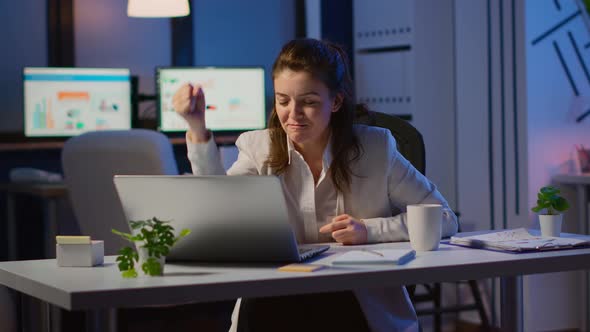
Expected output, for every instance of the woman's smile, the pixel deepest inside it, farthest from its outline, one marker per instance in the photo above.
(297, 126)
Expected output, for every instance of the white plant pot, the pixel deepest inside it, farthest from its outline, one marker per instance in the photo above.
(550, 224)
(143, 257)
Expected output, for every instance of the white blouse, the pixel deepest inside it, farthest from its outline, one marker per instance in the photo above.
(383, 182)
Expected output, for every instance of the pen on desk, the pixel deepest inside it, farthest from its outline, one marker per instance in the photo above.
(373, 252)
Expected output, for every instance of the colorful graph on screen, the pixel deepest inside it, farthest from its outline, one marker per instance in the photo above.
(70, 101)
(43, 115)
(234, 97)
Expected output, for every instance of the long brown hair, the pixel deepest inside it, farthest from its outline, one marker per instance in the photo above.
(328, 63)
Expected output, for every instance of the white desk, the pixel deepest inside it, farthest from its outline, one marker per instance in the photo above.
(103, 287)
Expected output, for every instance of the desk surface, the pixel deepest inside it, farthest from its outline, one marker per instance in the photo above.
(101, 287)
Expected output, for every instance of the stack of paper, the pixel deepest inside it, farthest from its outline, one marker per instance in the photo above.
(517, 240)
(377, 256)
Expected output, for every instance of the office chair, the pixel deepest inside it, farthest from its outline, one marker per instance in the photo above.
(89, 163)
(411, 145)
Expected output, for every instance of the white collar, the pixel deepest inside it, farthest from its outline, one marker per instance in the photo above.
(326, 162)
(326, 158)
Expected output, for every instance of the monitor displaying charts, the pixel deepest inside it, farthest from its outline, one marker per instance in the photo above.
(234, 97)
(70, 101)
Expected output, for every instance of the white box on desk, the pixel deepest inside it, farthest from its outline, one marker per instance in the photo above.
(83, 255)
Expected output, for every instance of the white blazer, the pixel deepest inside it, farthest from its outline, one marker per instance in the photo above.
(385, 182)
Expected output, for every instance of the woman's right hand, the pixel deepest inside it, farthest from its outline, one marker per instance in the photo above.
(189, 103)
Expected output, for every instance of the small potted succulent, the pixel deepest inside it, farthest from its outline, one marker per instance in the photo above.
(153, 239)
(548, 199)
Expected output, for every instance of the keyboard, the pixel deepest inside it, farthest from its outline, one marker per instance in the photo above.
(309, 251)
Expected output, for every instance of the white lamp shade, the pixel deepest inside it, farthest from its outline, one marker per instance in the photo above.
(157, 8)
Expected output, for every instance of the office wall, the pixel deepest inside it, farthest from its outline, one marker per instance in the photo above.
(242, 33)
(313, 18)
(491, 120)
(403, 59)
(23, 42)
(558, 301)
(491, 106)
(472, 121)
(434, 92)
(554, 100)
(473, 185)
(106, 37)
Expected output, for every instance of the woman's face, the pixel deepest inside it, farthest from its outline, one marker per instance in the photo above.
(304, 106)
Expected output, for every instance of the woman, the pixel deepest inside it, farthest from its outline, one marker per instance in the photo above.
(341, 181)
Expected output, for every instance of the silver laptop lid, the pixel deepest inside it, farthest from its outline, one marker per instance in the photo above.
(231, 218)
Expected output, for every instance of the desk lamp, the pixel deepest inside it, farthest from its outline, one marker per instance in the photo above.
(158, 8)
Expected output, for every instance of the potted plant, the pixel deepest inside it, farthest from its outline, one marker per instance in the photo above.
(153, 239)
(549, 199)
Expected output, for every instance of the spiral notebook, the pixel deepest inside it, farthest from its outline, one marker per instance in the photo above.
(377, 256)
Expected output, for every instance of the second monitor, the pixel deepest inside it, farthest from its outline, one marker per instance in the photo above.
(65, 102)
(234, 97)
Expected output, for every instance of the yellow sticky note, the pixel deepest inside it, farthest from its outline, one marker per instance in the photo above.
(68, 239)
(300, 268)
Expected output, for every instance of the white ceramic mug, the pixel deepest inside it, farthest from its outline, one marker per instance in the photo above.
(424, 226)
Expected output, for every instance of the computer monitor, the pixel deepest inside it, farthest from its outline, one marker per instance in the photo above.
(234, 97)
(63, 102)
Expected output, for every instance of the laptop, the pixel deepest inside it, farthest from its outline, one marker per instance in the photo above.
(231, 218)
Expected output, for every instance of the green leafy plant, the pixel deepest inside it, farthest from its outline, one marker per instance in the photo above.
(549, 198)
(154, 235)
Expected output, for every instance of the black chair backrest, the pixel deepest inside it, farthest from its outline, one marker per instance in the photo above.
(409, 140)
